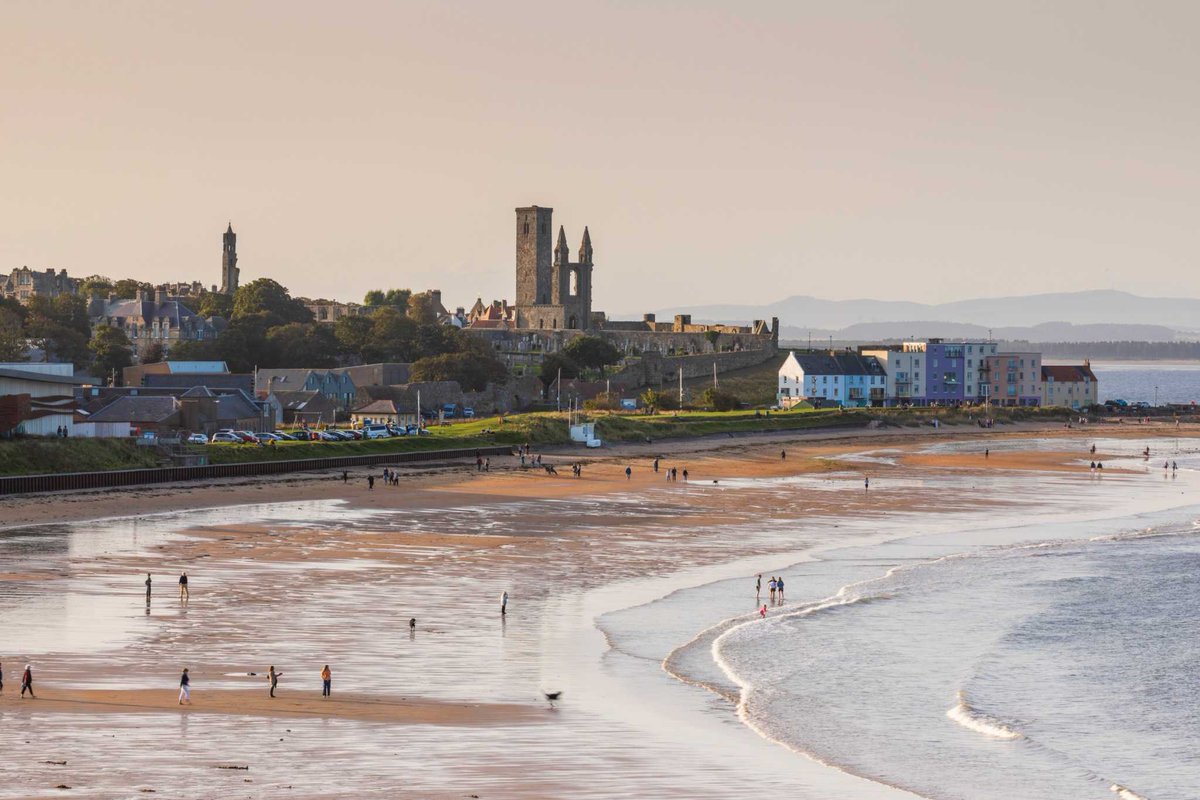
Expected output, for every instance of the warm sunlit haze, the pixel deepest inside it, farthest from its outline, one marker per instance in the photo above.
(719, 152)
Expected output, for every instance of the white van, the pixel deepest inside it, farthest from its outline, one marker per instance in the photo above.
(376, 432)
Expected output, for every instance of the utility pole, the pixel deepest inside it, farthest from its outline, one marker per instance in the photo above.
(558, 390)
(714, 374)
(680, 387)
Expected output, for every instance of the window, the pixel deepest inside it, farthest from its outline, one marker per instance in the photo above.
(573, 289)
(526, 227)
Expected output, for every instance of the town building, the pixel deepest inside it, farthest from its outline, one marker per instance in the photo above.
(24, 283)
(304, 408)
(1015, 379)
(935, 371)
(1070, 385)
(175, 371)
(335, 384)
(384, 411)
(39, 399)
(831, 378)
(153, 318)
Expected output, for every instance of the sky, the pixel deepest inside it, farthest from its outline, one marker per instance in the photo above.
(719, 152)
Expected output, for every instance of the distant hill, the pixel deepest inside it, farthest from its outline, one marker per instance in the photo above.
(1121, 312)
(1046, 332)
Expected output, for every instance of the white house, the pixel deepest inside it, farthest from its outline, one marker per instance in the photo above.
(1069, 385)
(833, 378)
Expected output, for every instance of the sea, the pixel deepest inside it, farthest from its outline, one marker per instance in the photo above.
(1053, 655)
(1142, 381)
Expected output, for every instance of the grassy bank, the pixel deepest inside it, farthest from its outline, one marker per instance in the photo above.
(542, 429)
(35, 456)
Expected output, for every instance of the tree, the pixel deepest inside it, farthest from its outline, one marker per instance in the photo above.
(299, 345)
(555, 364)
(60, 326)
(651, 400)
(267, 296)
(96, 286)
(421, 309)
(720, 399)
(391, 337)
(434, 339)
(353, 335)
(194, 350)
(592, 352)
(215, 304)
(152, 354)
(394, 298)
(12, 336)
(472, 369)
(127, 288)
(110, 351)
(713, 337)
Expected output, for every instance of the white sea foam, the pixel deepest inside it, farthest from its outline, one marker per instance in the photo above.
(971, 718)
(1125, 794)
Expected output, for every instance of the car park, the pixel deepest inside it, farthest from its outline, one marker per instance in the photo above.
(329, 436)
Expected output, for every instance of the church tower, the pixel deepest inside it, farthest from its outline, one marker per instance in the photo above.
(535, 276)
(229, 270)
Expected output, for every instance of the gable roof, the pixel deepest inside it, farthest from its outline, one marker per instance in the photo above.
(137, 409)
(1068, 373)
(836, 364)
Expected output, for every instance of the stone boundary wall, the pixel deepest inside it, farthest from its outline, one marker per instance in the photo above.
(654, 368)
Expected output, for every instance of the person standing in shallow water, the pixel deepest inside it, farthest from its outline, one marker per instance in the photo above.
(183, 587)
(147, 587)
(272, 679)
(326, 681)
(504, 603)
(628, 473)
(185, 688)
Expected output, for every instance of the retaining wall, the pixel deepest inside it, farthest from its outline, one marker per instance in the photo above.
(71, 481)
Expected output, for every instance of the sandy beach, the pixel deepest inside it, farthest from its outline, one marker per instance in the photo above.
(303, 571)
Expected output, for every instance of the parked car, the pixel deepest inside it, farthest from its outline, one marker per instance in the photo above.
(329, 436)
(285, 437)
(449, 410)
(267, 437)
(376, 432)
(197, 438)
(227, 437)
(397, 430)
(247, 436)
(468, 413)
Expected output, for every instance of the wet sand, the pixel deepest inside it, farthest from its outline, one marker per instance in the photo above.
(304, 572)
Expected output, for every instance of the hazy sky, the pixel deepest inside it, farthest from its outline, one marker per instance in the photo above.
(720, 152)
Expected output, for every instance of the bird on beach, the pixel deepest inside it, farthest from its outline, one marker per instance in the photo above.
(552, 696)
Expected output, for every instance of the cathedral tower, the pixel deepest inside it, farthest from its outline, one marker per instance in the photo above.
(535, 243)
(229, 270)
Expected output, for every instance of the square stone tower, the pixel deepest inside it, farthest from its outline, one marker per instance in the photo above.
(535, 246)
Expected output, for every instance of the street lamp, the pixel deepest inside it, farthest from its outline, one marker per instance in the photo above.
(1156, 397)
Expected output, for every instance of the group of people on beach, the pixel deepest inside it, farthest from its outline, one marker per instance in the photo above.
(774, 592)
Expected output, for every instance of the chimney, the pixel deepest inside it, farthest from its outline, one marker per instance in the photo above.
(140, 296)
(648, 318)
(160, 295)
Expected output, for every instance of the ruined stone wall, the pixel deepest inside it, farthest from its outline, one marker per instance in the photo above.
(654, 369)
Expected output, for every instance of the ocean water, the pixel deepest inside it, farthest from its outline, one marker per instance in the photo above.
(1136, 381)
(1060, 671)
(1050, 653)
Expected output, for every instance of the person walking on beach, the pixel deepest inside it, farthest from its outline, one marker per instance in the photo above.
(779, 586)
(783, 455)
(685, 476)
(183, 588)
(345, 476)
(185, 690)
(147, 588)
(326, 681)
(27, 682)
(503, 603)
(1, 677)
(370, 482)
(866, 483)
(628, 473)
(272, 679)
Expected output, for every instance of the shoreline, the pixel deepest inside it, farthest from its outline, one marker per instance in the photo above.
(109, 503)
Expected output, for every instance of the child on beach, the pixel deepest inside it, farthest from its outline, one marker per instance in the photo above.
(185, 692)
(762, 612)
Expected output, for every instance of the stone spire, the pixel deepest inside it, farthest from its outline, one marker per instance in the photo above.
(562, 253)
(585, 249)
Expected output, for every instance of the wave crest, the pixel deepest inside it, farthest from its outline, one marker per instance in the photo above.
(971, 718)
